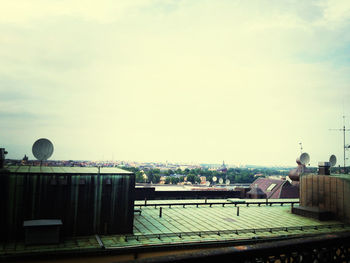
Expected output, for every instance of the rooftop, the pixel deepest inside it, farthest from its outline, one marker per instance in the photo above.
(193, 224)
(66, 170)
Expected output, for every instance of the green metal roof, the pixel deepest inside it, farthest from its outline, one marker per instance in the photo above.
(216, 218)
(66, 170)
(195, 225)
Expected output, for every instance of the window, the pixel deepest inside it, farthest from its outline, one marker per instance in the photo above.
(269, 189)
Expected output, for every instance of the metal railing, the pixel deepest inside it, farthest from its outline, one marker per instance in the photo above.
(230, 232)
(210, 204)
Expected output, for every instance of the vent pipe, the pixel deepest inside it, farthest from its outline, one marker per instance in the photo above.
(324, 168)
(2, 157)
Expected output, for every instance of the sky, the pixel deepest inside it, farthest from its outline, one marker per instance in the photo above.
(196, 81)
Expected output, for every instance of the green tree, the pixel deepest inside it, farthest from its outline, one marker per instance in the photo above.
(174, 180)
(139, 177)
(193, 178)
(156, 178)
(167, 180)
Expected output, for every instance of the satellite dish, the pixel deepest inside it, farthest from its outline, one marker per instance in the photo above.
(227, 181)
(221, 181)
(304, 158)
(42, 149)
(333, 160)
(207, 183)
(215, 179)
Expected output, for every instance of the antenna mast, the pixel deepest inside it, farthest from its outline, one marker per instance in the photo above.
(343, 130)
(301, 147)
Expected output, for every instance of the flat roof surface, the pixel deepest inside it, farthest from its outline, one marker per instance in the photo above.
(195, 225)
(66, 170)
(218, 223)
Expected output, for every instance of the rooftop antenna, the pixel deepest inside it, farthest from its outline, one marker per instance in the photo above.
(343, 130)
(301, 147)
(42, 150)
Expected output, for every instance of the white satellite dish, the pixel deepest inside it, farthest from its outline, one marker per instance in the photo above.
(333, 160)
(221, 181)
(42, 149)
(215, 179)
(227, 181)
(304, 158)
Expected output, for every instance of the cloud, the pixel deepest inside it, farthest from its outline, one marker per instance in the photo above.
(105, 11)
(181, 80)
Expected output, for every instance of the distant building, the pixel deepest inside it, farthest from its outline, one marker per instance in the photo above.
(162, 180)
(222, 168)
(24, 160)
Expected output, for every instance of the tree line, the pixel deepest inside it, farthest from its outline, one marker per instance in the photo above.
(235, 175)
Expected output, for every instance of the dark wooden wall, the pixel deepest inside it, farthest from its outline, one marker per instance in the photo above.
(86, 204)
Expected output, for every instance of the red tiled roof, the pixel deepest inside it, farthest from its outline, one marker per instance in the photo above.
(256, 191)
(290, 191)
(282, 188)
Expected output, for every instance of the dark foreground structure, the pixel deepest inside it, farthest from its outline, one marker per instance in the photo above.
(88, 200)
(324, 248)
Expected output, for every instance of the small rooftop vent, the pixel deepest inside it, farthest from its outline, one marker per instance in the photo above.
(324, 168)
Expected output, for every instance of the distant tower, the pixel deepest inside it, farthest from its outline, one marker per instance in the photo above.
(223, 168)
(25, 159)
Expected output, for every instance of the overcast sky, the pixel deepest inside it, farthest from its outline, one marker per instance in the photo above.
(195, 81)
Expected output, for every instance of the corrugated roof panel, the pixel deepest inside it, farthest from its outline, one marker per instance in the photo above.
(114, 170)
(34, 169)
(64, 169)
(70, 170)
(57, 170)
(46, 169)
(23, 169)
(88, 170)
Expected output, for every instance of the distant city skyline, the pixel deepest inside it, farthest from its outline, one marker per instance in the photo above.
(183, 81)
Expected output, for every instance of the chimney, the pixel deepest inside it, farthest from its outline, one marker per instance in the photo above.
(324, 168)
(2, 157)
